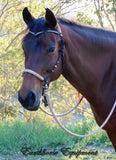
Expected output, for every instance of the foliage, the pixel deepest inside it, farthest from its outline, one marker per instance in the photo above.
(38, 135)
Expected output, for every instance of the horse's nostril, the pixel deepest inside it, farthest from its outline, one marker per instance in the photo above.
(29, 100)
(31, 97)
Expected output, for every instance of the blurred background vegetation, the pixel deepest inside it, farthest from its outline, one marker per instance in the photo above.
(97, 13)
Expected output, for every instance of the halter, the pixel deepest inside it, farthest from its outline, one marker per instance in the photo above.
(45, 80)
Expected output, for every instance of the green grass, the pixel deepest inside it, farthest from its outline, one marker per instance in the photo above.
(18, 134)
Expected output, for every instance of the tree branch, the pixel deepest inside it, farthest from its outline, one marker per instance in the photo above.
(98, 8)
(108, 16)
(22, 32)
(2, 10)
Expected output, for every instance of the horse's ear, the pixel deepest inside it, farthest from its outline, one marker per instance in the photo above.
(50, 18)
(27, 15)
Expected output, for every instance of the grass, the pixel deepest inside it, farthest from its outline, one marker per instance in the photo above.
(21, 137)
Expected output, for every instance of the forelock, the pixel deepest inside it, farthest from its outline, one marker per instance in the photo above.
(37, 25)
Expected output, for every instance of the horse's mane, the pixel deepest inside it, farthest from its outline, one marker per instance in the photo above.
(76, 26)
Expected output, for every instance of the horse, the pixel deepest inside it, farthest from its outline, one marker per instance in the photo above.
(84, 55)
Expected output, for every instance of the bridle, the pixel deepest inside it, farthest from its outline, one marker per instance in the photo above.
(45, 91)
(45, 80)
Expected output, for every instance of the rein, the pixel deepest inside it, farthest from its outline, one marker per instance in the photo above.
(45, 91)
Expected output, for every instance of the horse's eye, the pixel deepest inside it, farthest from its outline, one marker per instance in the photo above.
(51, 50)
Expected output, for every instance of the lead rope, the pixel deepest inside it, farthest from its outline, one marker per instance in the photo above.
(63, 114)
(65, 129)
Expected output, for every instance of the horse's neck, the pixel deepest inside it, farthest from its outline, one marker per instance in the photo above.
(85, 65)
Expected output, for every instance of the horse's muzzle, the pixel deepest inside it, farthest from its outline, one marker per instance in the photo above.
(31, 102)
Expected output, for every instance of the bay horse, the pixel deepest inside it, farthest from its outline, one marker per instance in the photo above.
(88, 62)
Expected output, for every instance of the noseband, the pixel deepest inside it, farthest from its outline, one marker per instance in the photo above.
(45, 80)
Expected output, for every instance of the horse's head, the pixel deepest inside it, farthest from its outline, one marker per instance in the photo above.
(43, 52)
